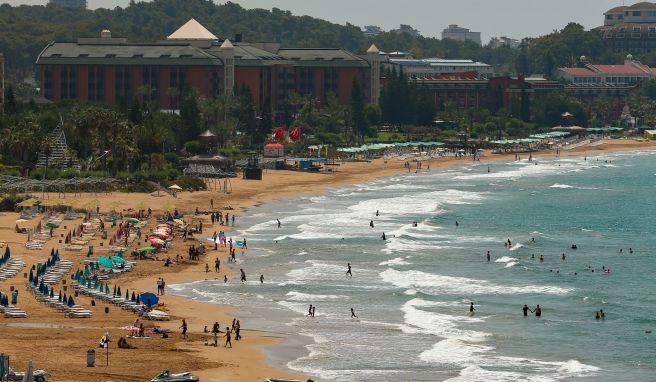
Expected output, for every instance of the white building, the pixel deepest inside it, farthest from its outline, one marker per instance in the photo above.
(430, 67)
(457, 33)
(371, 31)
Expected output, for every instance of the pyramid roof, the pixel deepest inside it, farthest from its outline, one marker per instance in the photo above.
(192, 30)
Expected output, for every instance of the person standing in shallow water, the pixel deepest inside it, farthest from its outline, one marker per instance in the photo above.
(538, 311)
(471, 308)
(488, 255)
(348, 271)
(526, 309)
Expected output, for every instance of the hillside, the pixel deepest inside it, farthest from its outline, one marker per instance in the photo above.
(25, 30)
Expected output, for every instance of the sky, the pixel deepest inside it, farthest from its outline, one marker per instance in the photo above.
(511, 18)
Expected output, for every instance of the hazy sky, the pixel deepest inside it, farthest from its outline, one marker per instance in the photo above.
(512, 18)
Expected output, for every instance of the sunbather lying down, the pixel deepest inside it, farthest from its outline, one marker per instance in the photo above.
(123, 344)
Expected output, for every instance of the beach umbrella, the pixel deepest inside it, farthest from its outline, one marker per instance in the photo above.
(71, 302)
(86, 271)
(149, 299)
(7, 253)
(106, 288)
(127, 295)
(52, 292)
(117, 259)
(95, 283)
(155, 241)
(52, 252)
(57, 253)
(145, 249)
(64, 299)
(105, 262)
(114, 294)
(59, 297)
(133, 220)
(138, 299)
(120, 253)
(133, 299)
(31, 276)
(118, 292)
(89, 283)
(36, 281)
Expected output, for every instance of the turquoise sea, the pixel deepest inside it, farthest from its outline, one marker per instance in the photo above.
(412, 292)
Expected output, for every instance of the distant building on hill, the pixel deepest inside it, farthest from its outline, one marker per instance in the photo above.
(404, 28)
(497, 42)
(457, 33)
(371, 31)
(111, 70)
(630, 29)
(2, 83)
(69, 3)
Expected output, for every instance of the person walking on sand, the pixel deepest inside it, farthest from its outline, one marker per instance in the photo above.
(348, 271)
(244, 246)
(217, 265)
(211, 203)
(314, 309)
(310, 311)
(353, 313)
(243, 275)
(184, 329)
(228, 335)
(207, 268)
(237, 331)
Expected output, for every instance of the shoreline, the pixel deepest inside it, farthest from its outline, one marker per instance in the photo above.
(251, 359)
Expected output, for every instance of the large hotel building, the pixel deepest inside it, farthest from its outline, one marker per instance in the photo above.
(112, 70)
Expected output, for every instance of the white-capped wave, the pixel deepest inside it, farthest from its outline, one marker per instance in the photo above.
(505, 259)
(298, 296)
(557, 185)
(395, 261)
(437, 284)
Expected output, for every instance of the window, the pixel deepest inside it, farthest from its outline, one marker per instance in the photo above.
(96, 83)
(637, 13)
(650, 13)
(609, 17)
(68, 82)
(636, 29)
(652, 29)
(150, 80)
(123, 84)
(47, 82)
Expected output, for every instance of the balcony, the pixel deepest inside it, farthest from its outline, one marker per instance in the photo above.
(636, 35)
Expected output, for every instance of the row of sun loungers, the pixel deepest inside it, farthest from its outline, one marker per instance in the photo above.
(11, 268)
(71, 311)
(126, 304)
(29, 213)
(55, 273)
(12, 312)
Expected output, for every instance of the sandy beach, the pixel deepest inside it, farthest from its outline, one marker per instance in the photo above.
(59, 344)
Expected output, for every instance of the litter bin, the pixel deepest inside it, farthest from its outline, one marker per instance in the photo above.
(91, 358)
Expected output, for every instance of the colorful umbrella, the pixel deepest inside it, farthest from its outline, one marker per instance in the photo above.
(105, 262)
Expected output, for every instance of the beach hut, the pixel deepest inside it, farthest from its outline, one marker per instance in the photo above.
(650, 134)
(274, 150)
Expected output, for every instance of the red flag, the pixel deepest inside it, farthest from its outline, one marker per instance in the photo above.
(295, 134)
(279, 133)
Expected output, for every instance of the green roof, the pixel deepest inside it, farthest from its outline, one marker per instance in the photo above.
(322, 57)
(126, 54)
(119, 52)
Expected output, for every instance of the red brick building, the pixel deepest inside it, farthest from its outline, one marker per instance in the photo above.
(2, 83)
(111, 70)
